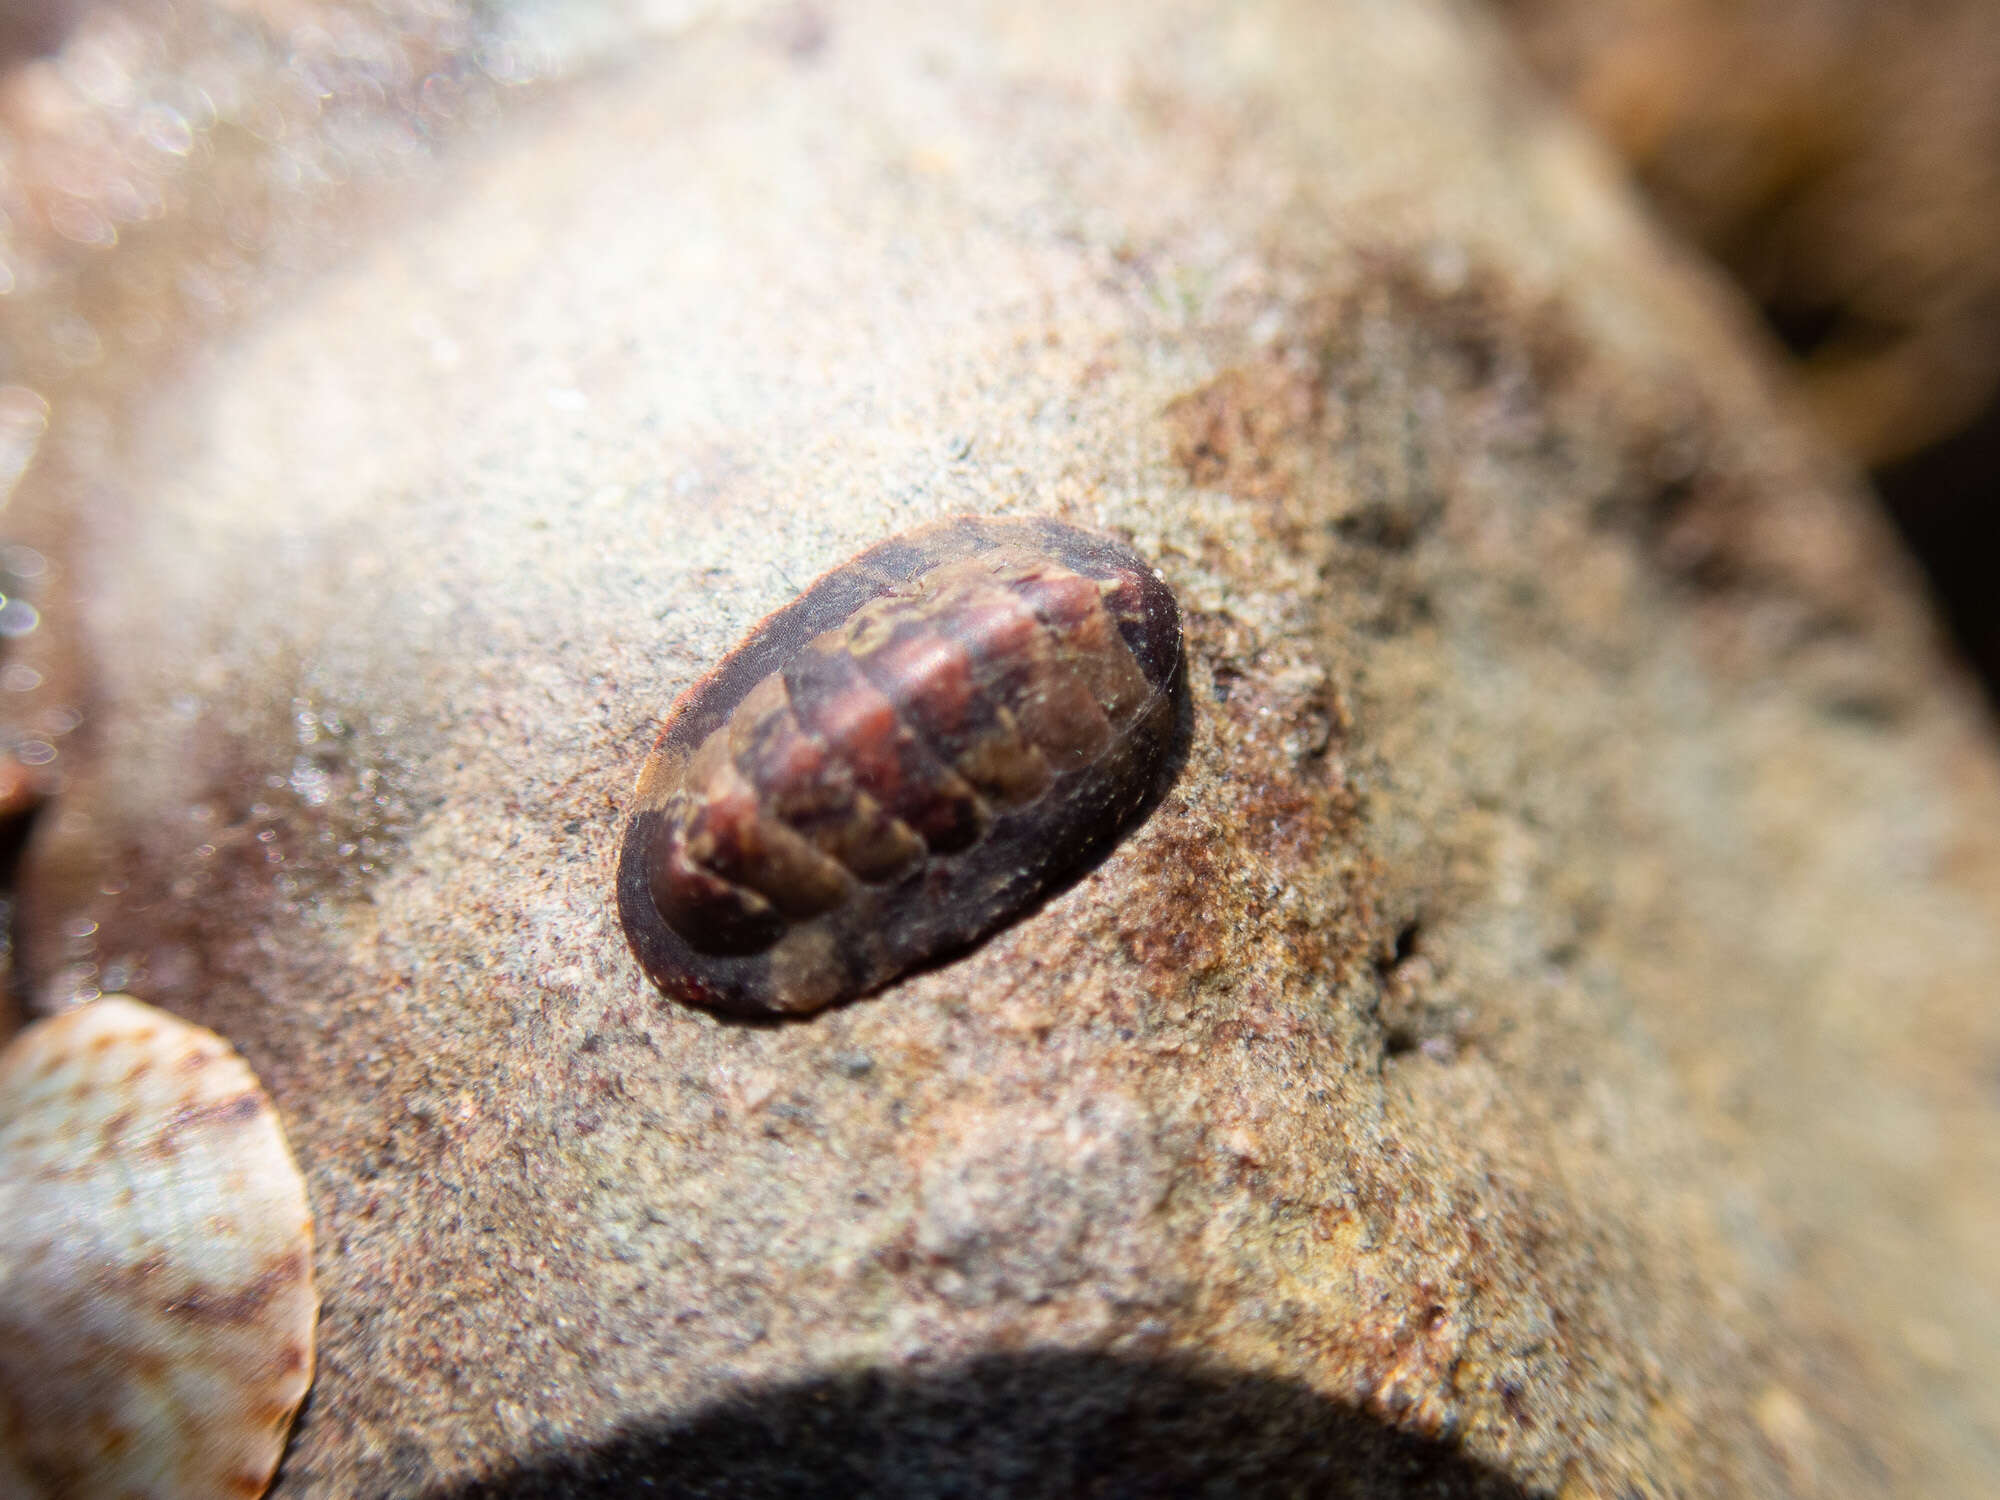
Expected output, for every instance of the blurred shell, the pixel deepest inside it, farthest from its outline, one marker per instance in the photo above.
(156, 1297)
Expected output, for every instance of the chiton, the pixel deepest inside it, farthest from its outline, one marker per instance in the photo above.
(927, 742)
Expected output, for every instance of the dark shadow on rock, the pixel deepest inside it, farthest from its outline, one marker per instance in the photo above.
(1055, 1424)
(1947, 501)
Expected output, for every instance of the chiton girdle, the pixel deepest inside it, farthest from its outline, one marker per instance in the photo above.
(918, 750)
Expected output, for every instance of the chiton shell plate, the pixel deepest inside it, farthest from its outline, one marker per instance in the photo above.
(931, 739)
(156, 1291)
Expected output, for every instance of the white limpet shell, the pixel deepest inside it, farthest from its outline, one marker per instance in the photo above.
(156, 1295)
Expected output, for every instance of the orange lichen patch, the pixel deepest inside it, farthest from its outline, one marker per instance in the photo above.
(156, 1294)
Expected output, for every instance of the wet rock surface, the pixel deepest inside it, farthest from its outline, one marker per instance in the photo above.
(1541, 1042)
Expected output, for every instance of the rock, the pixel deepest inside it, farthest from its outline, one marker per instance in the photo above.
(1543, 1041)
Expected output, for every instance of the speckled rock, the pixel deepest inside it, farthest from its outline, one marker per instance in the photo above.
(1541, 1044)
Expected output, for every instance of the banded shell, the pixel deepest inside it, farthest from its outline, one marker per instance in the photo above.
(923, 745)
(156, 1295)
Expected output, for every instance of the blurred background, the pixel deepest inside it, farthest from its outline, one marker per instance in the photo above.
(1840, 158)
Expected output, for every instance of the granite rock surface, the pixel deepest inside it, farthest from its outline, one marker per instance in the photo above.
(1542, 1044)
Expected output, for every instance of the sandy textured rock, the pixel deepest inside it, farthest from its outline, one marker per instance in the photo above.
(1542, 1044)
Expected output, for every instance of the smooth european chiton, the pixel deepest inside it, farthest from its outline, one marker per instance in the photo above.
(923, 745)
(156, 1291)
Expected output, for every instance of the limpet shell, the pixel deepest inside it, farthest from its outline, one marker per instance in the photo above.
(156, 1292)
(930, 740)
